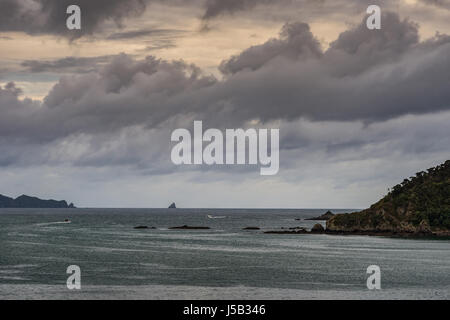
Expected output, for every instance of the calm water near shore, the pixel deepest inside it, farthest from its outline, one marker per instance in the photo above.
(224, 262)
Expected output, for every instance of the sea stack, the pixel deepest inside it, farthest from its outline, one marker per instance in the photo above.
(172, 206)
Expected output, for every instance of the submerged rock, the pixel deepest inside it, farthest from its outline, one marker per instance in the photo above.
(186, 227)
(295, 228)
(317, 228)
(287, 231)
(326, 216)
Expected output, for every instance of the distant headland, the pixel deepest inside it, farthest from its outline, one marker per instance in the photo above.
(419, 206)
(25, 201)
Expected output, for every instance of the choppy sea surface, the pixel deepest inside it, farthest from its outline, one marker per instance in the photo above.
(224, 262)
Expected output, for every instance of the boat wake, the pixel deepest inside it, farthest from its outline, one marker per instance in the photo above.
(50, 223)
(215, 217)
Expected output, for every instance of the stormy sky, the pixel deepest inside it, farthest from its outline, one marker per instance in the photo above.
(86, 115)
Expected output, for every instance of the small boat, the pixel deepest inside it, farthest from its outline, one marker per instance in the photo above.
(67, 221)
(215, 217)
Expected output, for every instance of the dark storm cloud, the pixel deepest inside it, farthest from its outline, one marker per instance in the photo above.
(295, 42)
(67, 64)
(124, 93)
(438, 3)
(11, 90)
(368, 75)
(215, 8)
(160, 38)
(37, 17)
(358, 49)
(319, 8)
(144, 33)
(49, 16)
(354, 51)
(160, 44)
(365, 77)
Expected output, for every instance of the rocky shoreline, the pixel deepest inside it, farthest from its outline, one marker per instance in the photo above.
(390, 234)
(319, 229)
(410, 235)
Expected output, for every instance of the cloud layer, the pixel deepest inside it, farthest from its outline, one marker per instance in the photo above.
(48, 16)
(370, 100)
(364, 75)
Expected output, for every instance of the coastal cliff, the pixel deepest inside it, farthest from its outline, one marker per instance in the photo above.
(32, 202)
(418, 206)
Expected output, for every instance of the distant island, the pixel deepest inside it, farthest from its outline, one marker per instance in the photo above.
(419, 206)
(25, 201)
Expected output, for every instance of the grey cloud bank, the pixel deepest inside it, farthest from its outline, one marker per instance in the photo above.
(438, 3)
(371, 107)
(364, 75)
(66, 65)
(48, 16)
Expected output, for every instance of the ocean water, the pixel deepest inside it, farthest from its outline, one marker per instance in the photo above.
(225, 262)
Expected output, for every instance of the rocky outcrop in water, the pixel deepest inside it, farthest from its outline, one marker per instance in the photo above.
(326, 216)
(317, 228)
(288, 231)
(186, 227)
(32, 202)
(172, 206)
